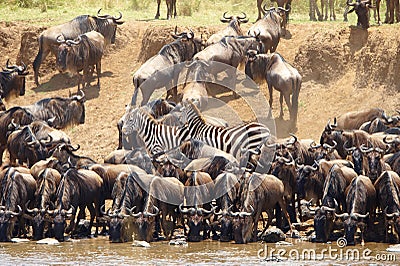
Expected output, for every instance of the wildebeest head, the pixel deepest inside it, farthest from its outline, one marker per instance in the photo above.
(196, 221)
(7, 218)
(59, 221)
(350, 223)
(242, 226)
(12, 80)
(107, 25)
(305, 173)
(64, 52)
(323, 223)
(38, 222)
(115, 225)
(241, 19)
(374, 163)
(145, 224)
(362, 10)
(356, 157)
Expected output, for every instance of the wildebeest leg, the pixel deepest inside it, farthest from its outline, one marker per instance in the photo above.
(92, 215)
(174, 7)
(282, 205)
(287, 100)
(42, 54)
(270, 98)
(261, 11)
(255, 227)
(158, 9)
(281, 103)
(270, 214)
(98, 71)
(332, 9)
(346, 10)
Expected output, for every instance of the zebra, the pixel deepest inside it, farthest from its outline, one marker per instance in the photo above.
(156, 136)
(233, 140)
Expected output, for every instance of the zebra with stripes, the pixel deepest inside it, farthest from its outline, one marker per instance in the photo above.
(156, 136)
(233, 140)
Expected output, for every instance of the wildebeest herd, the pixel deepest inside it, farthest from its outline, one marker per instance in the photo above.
(176, 167)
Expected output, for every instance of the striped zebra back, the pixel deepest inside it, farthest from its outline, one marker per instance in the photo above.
(156, 136)
(248, 136)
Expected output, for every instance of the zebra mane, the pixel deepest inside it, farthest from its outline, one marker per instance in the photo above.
(193, 109)
(145, 112)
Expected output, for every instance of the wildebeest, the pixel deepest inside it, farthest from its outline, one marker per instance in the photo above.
(226, 195)
(198, 192)
(260, 193)
(195, 89)
(59, 112)
(12, 81)
(17, 189)
(361, 7)
(360, 203)
(65, 154)
(138, 157)
(81, 54)
(129, 193)
(269, 29)
(354, 120)
(164, 195)
(78, 188)
(45, 198)
(281, 3)
(328, 4)
(373, 164)
(17, 115)
(279, 74)
(233, 28)
(392, 11)
(158, 71)
(104, 24)
(387, 195)
(171, 8)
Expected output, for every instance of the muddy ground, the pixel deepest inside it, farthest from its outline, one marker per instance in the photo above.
(343, 69)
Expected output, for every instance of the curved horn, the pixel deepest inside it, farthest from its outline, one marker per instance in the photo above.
(16, 213)
(343, 215)
(365, 149)
(326, 208)
(70, 211)
(135, 215)
(292, 142)
(326, 146)
(152, 214)
(34, 210)
(281, 8)
(60, 39)
(71, 148)
(183, 210)
(102, 16)
(348, 149)
(241, 214)
(70, 42)
(388, 141)
(268, 9)
(118, 18)
(225, 17)
(80, 97)
(314, 145)
(242, 17)
(357, 215)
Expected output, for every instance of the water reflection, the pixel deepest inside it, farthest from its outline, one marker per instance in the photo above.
(100, 252)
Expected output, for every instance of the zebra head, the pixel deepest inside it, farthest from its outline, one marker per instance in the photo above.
(130, 120)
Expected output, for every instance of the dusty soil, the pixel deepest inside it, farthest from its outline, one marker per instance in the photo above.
(343, 68)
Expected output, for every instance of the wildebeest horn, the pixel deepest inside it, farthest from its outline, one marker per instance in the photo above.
(152, 214)
(118, 18)
(357, 215)
(60, 39)
(391, 214)
(80, 97)
(7, 64)
(70, 211)
(43, 211)
(395, 140)
(281, 8)
(326, 208)
(292, 142)
(34, 210)
(326, 146)
(102, 16)
(102, 208)
(225, 17)
(208, 212)
(183, 210)
(349, 3)
(243, 17)
(241, 214)
(344, 215)
(365, 149)
(48, 141)
(15, 125)
(71, 148)
(16, 213)
(314, 145)
(348, 149)
(78, 41)
(269, 9)
(135, 215)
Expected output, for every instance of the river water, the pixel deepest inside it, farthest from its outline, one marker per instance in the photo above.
(98, 251)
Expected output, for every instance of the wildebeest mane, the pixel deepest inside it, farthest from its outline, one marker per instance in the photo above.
(46, 188)
(356, 196)
(388, 193)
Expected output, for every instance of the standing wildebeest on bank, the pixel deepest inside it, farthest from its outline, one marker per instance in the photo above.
(388, 193)
(171, 8)
(328, 4)
(104, 24)
(78, 188)
(81, 54)
(18, 188)
(158, 71)
(59, 112)
(233, 28)
(269, 29)
(281, 3)
(12, 81)
(280, 75)
(360, 203)
(362, 10)
(392, 11)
